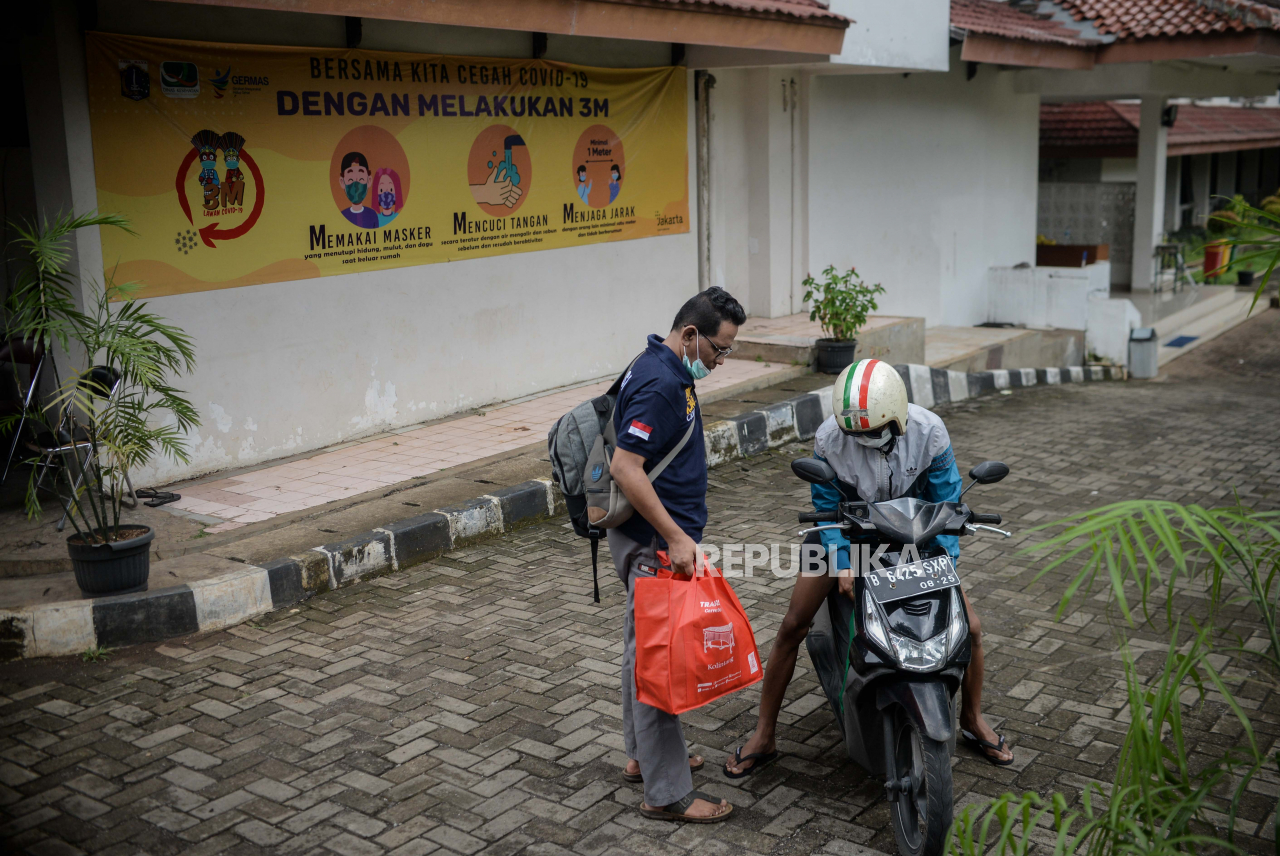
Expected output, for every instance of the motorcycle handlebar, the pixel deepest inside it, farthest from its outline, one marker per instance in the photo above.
(989, 519)
(820, 517)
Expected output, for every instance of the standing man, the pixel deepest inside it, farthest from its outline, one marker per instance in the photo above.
(655, 408)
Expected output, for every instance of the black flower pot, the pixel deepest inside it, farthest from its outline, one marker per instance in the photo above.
(116, 567)
(831, 356)
(1244, 277)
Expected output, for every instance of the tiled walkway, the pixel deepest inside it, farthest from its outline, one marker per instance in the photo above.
(404, 454)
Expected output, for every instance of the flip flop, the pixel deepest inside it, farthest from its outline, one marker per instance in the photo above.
(638, 778)
(981, 747)
(676, 811)
(762, 760)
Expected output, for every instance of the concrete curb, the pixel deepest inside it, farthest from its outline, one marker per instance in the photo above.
(69, 627)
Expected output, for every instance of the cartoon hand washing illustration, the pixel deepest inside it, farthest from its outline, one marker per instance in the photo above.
(502, 187)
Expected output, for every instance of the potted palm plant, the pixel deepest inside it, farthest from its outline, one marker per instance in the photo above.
(840, 303)
(111, 417)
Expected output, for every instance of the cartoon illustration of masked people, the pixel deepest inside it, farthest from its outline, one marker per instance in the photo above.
(353, 175)
(232, 144)
(386, 182)
(615, 182)
(584, 186)
(206, 143)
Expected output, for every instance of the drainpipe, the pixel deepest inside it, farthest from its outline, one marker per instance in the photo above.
(702, 84)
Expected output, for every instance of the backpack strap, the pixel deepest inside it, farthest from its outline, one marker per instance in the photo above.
(595, 567)
(670, 456)
(617, 384)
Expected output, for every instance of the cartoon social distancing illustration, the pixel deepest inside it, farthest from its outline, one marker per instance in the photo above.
(597, 165)
(615, 181)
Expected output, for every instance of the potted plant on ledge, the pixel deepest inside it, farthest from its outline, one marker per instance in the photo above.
(112, 417)
(840, 303)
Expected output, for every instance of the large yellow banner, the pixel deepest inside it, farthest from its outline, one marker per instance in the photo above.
(241, 164)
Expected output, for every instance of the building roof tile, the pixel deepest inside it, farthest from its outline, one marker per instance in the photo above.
(1138, 19)
(997, 18)
(1114, 124)
(809, 11)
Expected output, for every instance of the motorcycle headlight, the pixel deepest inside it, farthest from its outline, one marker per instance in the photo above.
(956, 626)
(920, 656)
(873, 624)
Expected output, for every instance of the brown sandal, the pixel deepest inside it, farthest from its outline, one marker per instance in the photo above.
(638, 778)
(676, 811)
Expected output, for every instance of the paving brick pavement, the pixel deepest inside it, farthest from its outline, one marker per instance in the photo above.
(470, 705)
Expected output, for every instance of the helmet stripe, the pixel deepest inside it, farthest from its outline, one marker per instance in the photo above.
(868, 368)
(847, 398)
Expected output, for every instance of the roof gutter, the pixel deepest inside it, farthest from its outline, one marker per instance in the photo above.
(640, 20)
(997, 50)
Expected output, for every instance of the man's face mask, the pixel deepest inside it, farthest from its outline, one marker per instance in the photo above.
(872, 439)
(356, 191)
(696, 369)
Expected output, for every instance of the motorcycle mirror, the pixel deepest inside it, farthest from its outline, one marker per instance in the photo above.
(813, 470)
(989, 472)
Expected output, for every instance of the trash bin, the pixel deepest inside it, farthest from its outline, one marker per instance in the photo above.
(1144, 349)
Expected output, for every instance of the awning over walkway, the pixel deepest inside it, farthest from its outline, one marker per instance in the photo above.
(1110, 129)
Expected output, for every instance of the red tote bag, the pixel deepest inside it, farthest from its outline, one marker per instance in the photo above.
(693, 641)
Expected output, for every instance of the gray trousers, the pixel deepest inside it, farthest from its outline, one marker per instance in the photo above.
(653, 737)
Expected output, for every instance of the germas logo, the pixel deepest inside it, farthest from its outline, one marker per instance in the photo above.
(219, 81)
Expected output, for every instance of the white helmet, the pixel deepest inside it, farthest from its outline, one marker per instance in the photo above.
(868, 397)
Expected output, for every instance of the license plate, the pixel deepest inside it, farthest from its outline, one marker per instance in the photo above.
(890, 584)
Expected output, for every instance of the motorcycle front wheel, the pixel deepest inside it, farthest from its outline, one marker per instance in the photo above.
(921, 812)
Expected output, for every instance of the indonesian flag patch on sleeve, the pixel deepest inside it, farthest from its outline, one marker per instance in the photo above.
(640, 429)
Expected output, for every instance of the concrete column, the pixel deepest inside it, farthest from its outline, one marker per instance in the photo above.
(1172, 194)
(1226, 184)
(1201, 170)
(772, 116)
(1148, 214)
(1249, 174)
(57, 95)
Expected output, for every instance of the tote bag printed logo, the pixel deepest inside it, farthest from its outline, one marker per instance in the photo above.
(717, 638)
(692, 636)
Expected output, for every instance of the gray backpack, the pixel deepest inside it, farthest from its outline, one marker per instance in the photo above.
(581, 446)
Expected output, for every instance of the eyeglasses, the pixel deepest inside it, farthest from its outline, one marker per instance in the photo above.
(720, 352)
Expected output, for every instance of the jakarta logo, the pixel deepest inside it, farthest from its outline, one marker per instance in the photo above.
(220, 196)
(596, 472)
(135, 82)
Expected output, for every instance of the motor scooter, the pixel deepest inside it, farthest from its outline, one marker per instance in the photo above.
(891, 659)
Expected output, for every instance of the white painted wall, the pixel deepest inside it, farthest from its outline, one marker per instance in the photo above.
(290, 367)
(1055, 297)
(1123, 170)
(906, 34)
(923, 183)
(1111, 320)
